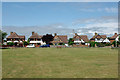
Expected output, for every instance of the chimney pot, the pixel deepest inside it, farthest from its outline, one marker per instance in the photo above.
(55, 34)
(32, 33)
(76, 34)
(95, 33)
(11, 33)
(115, 33)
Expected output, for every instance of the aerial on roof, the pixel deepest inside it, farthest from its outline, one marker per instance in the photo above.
(15, 35)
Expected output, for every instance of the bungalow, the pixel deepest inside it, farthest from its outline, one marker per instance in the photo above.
(100, 38)
(115, 37)
(36, 39)
(80, 40)
(15, 38)
(59, 39)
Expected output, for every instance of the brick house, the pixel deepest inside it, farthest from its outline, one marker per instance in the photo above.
(59, 39)
(80, 40)
(15, 38)
(36, 39)
(115, 37)
(99, 38)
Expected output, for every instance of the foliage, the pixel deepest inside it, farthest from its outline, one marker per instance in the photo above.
(28, 40)
(119, 38)
(70, 41)
(10, 43)
(25, 43)
(100, 44)
(2, 35)
(61, 44)
(92, 44)
(107, 44)
(47, 38)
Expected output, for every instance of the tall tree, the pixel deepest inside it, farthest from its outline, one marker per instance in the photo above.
(2, 36)
(47, 38)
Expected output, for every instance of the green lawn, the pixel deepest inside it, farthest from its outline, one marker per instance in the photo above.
(60, 63)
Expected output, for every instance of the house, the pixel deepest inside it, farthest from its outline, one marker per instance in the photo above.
(99, 38)
(59, 39)
(80, 40)
(36, 39)
(115, 37)
(15, 38)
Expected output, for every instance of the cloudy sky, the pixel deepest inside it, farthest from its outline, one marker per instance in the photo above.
(85, 18)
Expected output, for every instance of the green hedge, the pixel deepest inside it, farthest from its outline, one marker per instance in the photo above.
(10, 43)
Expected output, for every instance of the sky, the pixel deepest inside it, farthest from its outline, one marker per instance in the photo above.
(85, 18)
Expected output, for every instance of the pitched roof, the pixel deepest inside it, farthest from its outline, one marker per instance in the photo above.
(35, 35)
(114, 36)
(98, 36)
(83, 37)
(63, 38)
(15, 35)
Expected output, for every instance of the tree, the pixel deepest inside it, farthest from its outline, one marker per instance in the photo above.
(2, 36)
(25, 43)
(70, 41)
(47, 38)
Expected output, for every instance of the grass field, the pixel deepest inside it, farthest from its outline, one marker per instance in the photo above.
(60, 63)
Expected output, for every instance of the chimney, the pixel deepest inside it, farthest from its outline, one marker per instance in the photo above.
(32, 33)
(115, 33)
(11, 33)
(75, 34)
(95, 33)
(55, 34)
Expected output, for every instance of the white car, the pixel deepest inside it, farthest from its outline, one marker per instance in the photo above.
(30, 46)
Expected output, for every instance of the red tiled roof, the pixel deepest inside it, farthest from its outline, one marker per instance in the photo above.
(83, 37)
(114, 36)
(98, 36)
(15, 35)
(35, 35)
(63, 38)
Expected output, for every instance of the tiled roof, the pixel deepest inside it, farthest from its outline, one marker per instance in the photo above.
(83, 37)
(63, 38)
(114, 36)
(35, 35)
(98, 36)
(14, 35)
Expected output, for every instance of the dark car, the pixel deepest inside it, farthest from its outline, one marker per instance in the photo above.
(47, 45)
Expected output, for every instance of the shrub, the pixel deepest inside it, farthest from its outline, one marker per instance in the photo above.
(100, 45)
(107, 44)
(10, 43)
(25, 43)
(61, 44)
(92, 44)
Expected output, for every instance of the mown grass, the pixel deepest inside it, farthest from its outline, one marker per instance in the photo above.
(60, 63)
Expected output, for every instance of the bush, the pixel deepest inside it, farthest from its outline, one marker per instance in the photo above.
(92, 44)
(10, 43)
(26, 43)
(107, 44)
(100, 45)
(61, 44)
(70, 41)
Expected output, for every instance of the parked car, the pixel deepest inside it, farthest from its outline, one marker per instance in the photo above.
(30, 46)
(47, 45)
